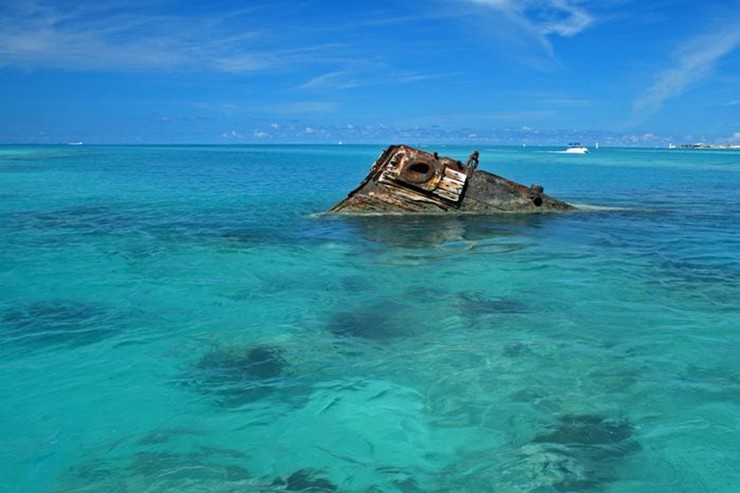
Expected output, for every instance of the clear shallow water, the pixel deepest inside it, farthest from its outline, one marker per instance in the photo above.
(184, 319)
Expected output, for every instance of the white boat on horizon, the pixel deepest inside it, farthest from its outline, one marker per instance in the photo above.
(576, 148)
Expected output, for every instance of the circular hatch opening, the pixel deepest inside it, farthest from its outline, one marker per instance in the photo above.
(418, 172)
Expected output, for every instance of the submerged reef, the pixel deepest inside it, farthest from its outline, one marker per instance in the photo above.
(179, 460)
(57, 322)
(366, 324)
(381, 321)
(82, 219)
(203, 469)
(174, 459)
(576, 453)
(237, 375)
(256, 362)
(305, 480)
(587, 430)
(581, 452)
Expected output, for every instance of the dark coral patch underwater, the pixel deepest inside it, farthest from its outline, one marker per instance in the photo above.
(584, 451)
(58, 322)
(81, 219)
(201, 469)
(587, 430)
(575, 453)
(238, 375)
(366, 324)
(305, 480)
(381, 321)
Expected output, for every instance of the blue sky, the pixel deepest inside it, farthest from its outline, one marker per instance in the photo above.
(624, 72)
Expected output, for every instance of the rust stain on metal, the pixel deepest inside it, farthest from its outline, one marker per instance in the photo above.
(404, 179)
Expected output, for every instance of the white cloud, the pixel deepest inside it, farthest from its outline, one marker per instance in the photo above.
(562, 17)
(543, 17)
(241, 63)
(333, 80)
(119, 36)
(231, 135)
(364, 74)
(692, 63)
(526, 27)
(300, 107)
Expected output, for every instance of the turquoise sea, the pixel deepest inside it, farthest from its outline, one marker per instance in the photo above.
(185, 319)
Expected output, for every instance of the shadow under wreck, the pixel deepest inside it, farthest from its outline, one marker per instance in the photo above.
(408, 180)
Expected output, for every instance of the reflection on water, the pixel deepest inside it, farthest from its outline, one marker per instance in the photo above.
(435, 230)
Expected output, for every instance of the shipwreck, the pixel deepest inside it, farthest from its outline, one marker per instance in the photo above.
(408, 180)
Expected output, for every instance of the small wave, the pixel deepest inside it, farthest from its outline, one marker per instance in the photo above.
(599, 208)
(563, 152)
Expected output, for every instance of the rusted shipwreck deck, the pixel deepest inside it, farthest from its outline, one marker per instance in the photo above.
(408, 180)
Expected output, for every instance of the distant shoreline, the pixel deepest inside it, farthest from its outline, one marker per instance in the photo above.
(705, 146)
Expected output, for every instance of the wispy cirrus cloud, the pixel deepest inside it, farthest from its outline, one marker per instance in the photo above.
(303, 107)
(693, 62)
(354, 75)
(340, 79)
(124, 36)
(538, 19)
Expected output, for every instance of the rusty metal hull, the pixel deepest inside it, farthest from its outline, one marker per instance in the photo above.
(407, 180)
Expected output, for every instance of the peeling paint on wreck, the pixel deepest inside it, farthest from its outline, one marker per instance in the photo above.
(407, 180)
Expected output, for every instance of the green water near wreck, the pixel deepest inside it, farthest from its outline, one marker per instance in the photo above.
(185, 319)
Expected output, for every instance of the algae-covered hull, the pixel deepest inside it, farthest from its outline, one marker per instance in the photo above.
(404, 179)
